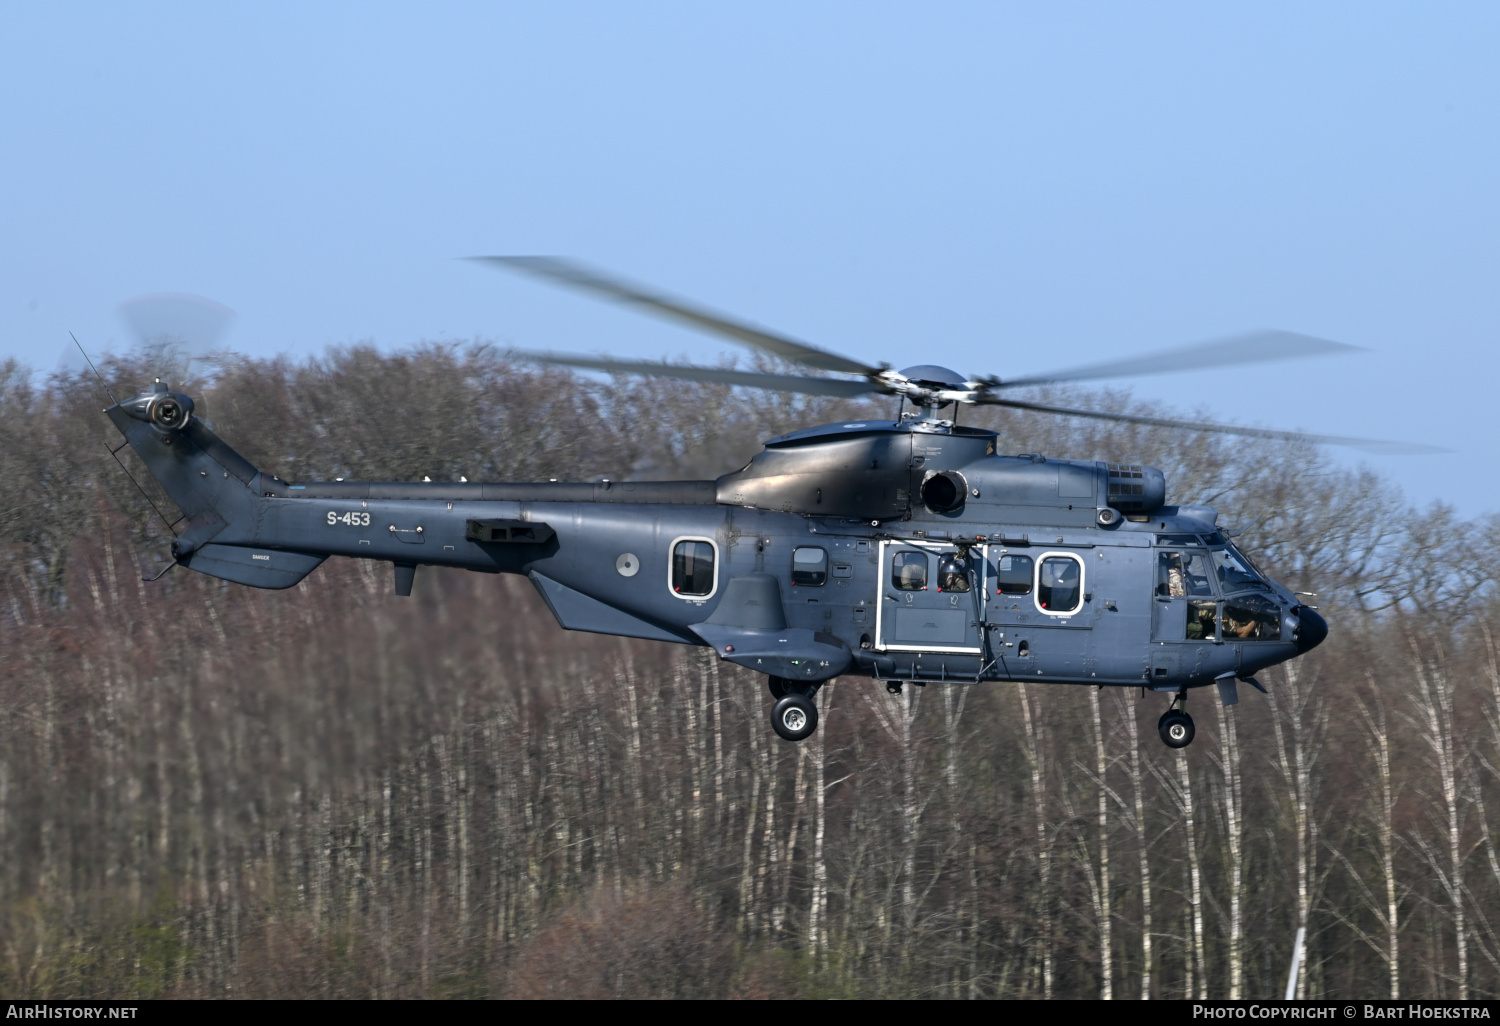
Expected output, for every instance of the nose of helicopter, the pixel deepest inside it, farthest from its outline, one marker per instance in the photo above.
(1311, 630)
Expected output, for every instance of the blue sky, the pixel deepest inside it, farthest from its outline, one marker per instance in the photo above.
(1004, 189)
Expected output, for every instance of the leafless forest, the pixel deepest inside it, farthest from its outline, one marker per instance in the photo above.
(207, 790)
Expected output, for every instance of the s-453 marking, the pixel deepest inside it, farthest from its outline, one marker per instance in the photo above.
(351, 519)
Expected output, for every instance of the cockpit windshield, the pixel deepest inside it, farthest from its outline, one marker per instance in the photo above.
(1235, 571)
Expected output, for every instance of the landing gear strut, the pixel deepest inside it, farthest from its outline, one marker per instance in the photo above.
(1176, 726)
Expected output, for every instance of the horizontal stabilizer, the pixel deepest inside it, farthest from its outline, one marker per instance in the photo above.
(576, 611)
(259, 568)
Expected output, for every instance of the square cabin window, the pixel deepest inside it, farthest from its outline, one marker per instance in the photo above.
(909, 571)
(693, 568)
(1013, 575)
(809, 567)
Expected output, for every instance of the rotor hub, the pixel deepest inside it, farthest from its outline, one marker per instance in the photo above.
(934, 377)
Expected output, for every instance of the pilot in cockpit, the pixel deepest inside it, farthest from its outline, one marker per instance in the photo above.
(1171, 576)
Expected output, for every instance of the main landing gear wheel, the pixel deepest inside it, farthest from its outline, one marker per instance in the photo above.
(794, 717)
(1176, 728)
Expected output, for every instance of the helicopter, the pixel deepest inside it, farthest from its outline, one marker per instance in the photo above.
(909, 551)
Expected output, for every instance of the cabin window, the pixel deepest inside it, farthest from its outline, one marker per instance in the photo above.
(693, 568)
(1059, 584)
(909, 571)
(953, 573)
(809, 567)
(1013, 575)
(1182, 575)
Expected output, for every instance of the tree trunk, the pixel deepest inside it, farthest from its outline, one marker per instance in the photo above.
(1137, 815)
(1195, 880)
(1102, 911)
(1034, 760)
(1433, 701)
(816, 909)
(1229, 765)
(1295, 760)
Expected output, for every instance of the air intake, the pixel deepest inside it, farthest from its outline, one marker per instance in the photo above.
(1136, 489)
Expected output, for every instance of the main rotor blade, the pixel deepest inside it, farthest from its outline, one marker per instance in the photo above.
(1251, 347)
(716, 375)
(567, 272)
(1367, 444)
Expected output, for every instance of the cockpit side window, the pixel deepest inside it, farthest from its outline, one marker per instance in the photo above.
(1235, 573)
(1182, 574)
(1202, 618)
(1251, 618)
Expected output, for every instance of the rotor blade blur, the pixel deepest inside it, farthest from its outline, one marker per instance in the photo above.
(1372, 445)
(715, 375)
(175, 329)
(568, 273)
(192, 320)
(1250, 347)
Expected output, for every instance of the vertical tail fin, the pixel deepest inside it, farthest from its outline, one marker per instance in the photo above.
(213, 485)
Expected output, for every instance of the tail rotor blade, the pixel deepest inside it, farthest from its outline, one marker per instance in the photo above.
(566, 272)
(175, 329)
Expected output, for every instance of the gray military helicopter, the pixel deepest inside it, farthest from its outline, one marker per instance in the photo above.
(905, 550)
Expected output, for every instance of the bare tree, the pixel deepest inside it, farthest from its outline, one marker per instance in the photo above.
(1179, 788)
(1432, 714)
(1385, 904)
(1035, 741)
(1232, 808)
(1300, 720)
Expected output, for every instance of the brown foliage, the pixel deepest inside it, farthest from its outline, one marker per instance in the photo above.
(645, 942)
